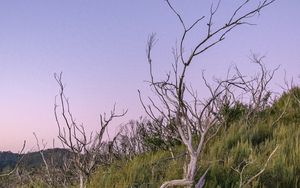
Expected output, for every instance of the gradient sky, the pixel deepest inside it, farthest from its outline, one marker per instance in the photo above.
(100, 47)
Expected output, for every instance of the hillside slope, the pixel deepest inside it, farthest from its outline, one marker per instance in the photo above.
(237, 146)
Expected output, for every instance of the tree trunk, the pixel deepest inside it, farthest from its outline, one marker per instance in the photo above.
(189, 176)
(191, 169)
(81, 181)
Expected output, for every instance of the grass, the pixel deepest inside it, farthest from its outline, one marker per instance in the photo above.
(234, 144)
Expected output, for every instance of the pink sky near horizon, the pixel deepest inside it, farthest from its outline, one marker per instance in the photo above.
(100, 48)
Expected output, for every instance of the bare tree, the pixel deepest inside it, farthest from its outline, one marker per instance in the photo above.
(177, 101)
(85, 148)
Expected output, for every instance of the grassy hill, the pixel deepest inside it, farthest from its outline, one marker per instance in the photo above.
(237, 144)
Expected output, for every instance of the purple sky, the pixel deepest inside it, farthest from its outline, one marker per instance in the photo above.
(100, 47)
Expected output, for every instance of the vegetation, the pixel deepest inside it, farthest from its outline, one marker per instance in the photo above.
(237, 145)
(232, 148)
(187, 141)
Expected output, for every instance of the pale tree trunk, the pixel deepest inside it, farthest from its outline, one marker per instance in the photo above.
(81, 181)
(191, 168)
(189, 175)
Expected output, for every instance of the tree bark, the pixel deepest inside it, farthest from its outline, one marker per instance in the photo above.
(191, 169)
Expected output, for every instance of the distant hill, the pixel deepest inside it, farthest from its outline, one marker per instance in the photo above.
(8, 160)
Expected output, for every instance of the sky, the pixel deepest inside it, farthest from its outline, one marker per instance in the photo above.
(100, 48)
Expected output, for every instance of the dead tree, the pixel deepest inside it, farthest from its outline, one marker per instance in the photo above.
(177, 101)
(85, 148)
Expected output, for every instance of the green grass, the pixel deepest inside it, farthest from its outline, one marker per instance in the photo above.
(147, 170)
(234, 144)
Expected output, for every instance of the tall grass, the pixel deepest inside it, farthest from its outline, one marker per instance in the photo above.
(235, 145)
